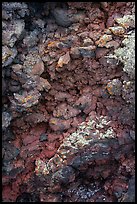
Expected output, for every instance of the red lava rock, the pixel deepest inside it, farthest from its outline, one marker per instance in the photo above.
(47, 153)
(17, 143)
(94, 36)
(35, 118)
(61, 96)
(61, 79)
(100, 52)
(66, 111)
(43, 84)
(9, 194)
(33, 146)
(20, 123)
(6, 191)
(28, 139)
(23, 152)
(57, 124)
(38, 69)
(27, 177)
(52, 137)
(37, 130)
(19, 163)
(50, 146)
(86, 103)
(120, 4)
(76, 121)
(119, 185)
(49, 197)
(5, 180)
(75, 53)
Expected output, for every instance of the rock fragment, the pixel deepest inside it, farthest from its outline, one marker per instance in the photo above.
(128, 21)
(16, 28)
(38, 69)
(61, 17)
(6, 118)
(63, 60)
(75, 53)
(57, 124)
(118, 30)
(8, 55)
(103, 40)
(127, 55)
(65, 111)
(87, 51)
(27, 99)
(114, 87)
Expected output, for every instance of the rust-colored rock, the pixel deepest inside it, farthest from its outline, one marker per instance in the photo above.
(38, 69)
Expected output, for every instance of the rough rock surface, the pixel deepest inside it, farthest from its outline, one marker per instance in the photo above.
(127, 54)
(68, 101)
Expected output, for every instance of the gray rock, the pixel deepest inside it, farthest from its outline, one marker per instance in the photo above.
(31, 40)
(61, 17)
(130, 195)
(12, 32)
(87, 51)
(11, 152)
(43, 137)
(127, 55)
(6, 118)
(8, 55)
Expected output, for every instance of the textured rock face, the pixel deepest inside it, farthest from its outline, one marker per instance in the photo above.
(68, 101)
(89, 135)
(86, 151)
(127, 54)
(6, 118)
(61, 17)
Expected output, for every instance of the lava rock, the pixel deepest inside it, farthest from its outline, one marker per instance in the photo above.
(126, 55)
(8, 55)
(6, 118)
(64, 176)
(75, 53)
(57, 124)
(130, 195)
(114, 87)
(43, 137)
(38, 69)
(31, 40)
(27, 99)
(28, 197)
(16, 28)
(8, 135)
(87, 51)
(34, 118)
(65, 111)
(4, 86)
(11, 152)
(61, 17)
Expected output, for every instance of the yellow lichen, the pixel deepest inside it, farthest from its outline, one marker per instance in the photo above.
(52, 44)
(63, 60)
(103, 40)
(53, 121)
(109, 88)
(26, 99)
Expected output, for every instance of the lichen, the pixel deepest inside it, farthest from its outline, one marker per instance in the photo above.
(87, 132)
(126, 54)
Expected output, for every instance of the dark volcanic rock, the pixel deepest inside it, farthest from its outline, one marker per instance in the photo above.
(61, 17)
(28, 197)
(68, 102)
